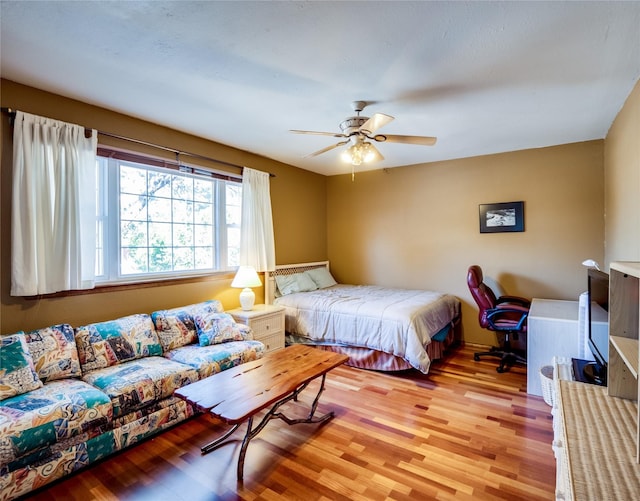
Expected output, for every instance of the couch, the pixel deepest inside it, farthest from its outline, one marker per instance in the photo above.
(72, 396)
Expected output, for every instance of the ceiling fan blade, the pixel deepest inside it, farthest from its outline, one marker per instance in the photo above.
(324, 150)
(375, 122)
(334, 134)
(394, 138)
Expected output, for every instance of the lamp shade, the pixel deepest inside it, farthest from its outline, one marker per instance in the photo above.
(246, 276)
(590, 263)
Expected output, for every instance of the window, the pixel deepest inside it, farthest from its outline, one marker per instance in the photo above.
(156, 222)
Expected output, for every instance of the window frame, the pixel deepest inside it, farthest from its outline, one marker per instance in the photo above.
(109, 209)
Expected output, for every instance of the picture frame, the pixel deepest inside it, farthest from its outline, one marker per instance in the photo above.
(502, 217)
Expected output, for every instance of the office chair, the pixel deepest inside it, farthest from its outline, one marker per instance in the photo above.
(506, 315)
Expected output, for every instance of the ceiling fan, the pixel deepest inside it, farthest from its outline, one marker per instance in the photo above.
(359, 131)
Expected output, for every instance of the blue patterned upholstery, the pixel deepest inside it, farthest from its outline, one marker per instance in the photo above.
(176, 327)
(62, 459)
(54, 352)
(125, 393)
(54, 413)
(110, 343)
(139, 383)
(138, 425)
(216, 328)
(208, 360)
(17, 371)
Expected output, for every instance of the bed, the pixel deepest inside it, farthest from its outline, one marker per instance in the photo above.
(379, 328)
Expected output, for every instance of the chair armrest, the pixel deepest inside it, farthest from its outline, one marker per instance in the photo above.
(513, 300)
(507, 318)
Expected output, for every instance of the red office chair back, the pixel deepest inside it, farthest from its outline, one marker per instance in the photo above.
(505, 314)
(482, 294)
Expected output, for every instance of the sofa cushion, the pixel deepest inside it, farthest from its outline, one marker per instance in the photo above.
(216, 328)
(17, 372)
(53, 413)
(54, 352)
(110, 343)
(175, 327)
(208, 360)
(141, 382)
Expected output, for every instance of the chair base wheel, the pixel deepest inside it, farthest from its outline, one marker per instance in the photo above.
(507, 358)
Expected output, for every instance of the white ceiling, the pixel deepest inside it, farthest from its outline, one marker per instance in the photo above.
(484, 77)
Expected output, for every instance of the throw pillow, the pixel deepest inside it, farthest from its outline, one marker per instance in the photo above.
(17, 372)
(216, 328)
(175, 326)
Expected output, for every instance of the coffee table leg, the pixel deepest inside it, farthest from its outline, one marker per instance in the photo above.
(271, 414)
(243, 448)
(218, 441)
(314, 406)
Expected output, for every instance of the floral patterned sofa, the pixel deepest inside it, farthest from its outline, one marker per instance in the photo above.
(69, 397)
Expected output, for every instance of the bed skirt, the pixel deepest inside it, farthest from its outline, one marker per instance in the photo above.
(368, 358)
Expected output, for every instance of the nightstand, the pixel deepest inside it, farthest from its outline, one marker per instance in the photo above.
(267, 323)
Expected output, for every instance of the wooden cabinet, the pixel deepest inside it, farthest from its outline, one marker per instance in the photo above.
(267, 323)
(624, 305)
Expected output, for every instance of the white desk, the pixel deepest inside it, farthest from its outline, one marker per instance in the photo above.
(552, 331)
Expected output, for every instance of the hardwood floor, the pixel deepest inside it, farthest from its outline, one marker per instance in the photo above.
(462, 432)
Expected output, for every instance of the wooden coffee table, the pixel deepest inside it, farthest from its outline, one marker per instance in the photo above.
(237, 394)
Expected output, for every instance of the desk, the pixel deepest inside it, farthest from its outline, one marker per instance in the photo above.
(552, 330)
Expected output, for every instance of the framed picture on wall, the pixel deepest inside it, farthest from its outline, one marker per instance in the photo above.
(502, 217)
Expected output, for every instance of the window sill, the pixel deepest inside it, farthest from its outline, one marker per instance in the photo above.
(224, 275)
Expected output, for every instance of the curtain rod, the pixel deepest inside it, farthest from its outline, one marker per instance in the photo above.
(12, 113)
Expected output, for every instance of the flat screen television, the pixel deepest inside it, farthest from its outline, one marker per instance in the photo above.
(598, 338)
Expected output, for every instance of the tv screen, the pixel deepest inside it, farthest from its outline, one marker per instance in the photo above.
(598, 283)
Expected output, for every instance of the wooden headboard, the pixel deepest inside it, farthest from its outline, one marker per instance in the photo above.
(286, 269)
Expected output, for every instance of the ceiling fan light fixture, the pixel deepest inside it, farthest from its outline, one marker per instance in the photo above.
(346, 156)
(356, 130)
(359, 153)
(369, 154)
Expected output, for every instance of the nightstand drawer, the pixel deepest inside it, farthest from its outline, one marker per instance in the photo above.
(271, 341)
(267, 325)
(266, 322)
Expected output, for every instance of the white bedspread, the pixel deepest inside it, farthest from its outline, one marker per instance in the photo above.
(396, 321)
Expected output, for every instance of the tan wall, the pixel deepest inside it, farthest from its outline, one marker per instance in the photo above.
(418, 226)
(298, 202)
(622, 183)
(412, 226)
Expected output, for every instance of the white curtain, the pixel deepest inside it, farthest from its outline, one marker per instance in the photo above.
(53, 232)
(257, 246)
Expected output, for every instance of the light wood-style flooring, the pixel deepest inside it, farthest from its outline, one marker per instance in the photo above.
(462, 432)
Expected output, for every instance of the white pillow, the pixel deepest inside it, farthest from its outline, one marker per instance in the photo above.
(287, 284)
(322, 277)
(305, 282)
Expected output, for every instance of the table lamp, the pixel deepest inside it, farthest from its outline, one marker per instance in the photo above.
(246, 277)
(590, 263)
